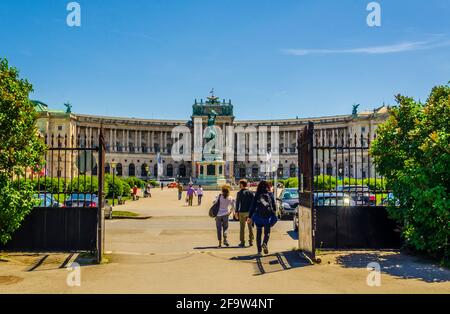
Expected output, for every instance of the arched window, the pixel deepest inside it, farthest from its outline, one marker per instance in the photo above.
(107, 168)
(119, 169)
(155, 170)
(280, 171)
(329, 169)
(169, 170)
(242, 173)
(94, 171)
(292, 171)
(156, 147)
(144, 172)
(131, 170)
(317, 169)
(255, 171)
(182, 171)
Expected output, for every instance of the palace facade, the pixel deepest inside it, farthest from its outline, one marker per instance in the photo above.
(133, 144)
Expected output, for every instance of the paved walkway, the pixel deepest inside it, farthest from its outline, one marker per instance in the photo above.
(175, 252)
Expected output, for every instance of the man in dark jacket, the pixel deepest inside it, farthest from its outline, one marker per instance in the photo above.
(244, 200)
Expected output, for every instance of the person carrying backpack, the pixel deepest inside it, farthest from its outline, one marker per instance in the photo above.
(262, 213)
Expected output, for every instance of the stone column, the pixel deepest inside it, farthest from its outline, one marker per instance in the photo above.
(289, 141)
(124, 141)
(152, 137)
(136, 149)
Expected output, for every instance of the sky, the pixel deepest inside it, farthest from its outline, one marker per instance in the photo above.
(274, 59)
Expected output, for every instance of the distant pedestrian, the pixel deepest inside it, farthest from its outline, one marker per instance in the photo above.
(190, 194)
(200, 195)
(148, 192)
(180, 191)
(226, 206)
(134, 192)
(262, 213)
(162, 186)
(244, 200)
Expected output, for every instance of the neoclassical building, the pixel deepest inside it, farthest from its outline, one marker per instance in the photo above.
(133, 144)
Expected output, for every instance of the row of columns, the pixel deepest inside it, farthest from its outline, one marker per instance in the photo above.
(122, 136)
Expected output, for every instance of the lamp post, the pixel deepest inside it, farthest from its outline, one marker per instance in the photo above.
(113, 166)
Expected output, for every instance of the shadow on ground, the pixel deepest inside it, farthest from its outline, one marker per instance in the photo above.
(275, 262)
(399, 265)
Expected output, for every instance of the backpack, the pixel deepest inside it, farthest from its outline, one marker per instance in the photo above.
(264, 208)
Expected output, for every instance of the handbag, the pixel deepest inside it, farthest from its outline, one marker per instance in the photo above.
(215, 208)
(273, 220)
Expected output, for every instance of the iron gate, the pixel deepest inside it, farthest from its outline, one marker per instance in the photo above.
(69, 186)
(342, 197)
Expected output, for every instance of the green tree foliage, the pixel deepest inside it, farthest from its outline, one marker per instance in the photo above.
(20, 148)
(412, 150)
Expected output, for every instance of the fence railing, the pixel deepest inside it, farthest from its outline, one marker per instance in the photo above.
(69, 175)
(342, 166)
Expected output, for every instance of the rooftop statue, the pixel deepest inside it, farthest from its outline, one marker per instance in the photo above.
(213, 99)
(355, 110)
(68, 107)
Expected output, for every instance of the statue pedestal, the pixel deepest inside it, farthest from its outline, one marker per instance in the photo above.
(211, 173)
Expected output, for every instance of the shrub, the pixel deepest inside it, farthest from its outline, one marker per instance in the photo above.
(412, 150)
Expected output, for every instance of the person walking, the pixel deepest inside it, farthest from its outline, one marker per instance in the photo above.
(226, 206)
(190, 194)
(162, 186)
(200, 195)
(244, 200)
(262, 213)
(135, 191)
(180, 191)
(148, 191)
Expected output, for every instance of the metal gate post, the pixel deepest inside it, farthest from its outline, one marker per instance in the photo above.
(310, 135)
(101, 177)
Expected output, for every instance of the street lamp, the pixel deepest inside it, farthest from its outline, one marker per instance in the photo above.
(147, 169)
(113, 166)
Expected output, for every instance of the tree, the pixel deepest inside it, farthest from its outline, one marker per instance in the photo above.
(412, 150)
(20, 149)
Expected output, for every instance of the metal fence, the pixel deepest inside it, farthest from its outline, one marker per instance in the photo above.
(342, 196)
(69, 188)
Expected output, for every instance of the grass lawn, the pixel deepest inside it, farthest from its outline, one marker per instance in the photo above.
(122, 213)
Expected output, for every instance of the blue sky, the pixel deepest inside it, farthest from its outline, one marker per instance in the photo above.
(274, 59)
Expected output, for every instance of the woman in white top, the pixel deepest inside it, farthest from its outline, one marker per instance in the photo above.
(227, 205)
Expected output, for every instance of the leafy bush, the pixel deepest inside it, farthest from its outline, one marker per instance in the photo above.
(133, 181)
(120, 186)
(20, 148)
(153, 183)
(412, 150)
(88, 184)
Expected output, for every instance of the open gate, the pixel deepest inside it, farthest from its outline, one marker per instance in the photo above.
(70, 188)
(342, 197)
(306, 210)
